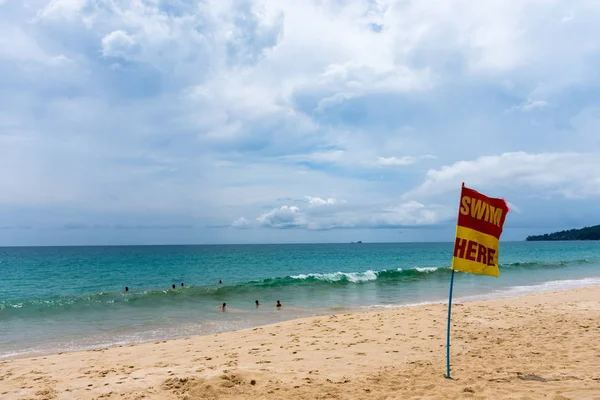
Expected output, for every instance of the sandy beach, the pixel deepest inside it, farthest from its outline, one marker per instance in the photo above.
(536, 346)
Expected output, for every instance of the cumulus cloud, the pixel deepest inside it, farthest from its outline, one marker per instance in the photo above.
(350, 216)
(61, 9)
(350, 81)
(208, 111)
(118, 44)
(241, 223)
(283, 217)
(571, 175)
(317, 201)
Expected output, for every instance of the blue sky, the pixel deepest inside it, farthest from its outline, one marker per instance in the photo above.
(234, 121)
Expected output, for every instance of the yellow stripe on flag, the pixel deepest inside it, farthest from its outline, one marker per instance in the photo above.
(475, 252)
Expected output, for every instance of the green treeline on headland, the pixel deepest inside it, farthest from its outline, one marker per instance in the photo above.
(587, 233)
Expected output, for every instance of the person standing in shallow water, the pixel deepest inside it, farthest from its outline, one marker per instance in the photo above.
(126, 288)
(257, 303)
(278, 304)
(223, 307)
(181, 284)
(173, 286)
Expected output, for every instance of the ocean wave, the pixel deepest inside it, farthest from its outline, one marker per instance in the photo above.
(150, 297)
(144, 297)
(426, 269)
(366, 276)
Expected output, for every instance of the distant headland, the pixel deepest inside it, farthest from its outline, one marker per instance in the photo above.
(587, 233)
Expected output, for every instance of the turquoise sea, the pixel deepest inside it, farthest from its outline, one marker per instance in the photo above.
(67, 298)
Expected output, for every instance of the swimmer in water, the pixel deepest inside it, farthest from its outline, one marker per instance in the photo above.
(126, 289)
(181, 284)
(220, 282)
(223, 306)
(278, 304)
(173, 286)
(257, 303)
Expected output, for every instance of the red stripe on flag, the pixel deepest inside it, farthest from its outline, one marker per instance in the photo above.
(482, 213)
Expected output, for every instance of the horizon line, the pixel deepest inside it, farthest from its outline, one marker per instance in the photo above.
(242, 244)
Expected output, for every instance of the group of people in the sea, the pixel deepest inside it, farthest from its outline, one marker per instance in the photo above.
(223, 307)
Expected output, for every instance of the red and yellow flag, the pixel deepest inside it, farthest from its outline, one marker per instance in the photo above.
(480, 221)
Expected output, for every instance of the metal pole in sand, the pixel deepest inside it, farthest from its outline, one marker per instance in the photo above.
(448, 333)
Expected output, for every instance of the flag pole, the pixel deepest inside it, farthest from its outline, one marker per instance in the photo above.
(450, 310)
(448, 333)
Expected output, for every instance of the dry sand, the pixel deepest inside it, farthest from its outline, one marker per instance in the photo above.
(531, 347)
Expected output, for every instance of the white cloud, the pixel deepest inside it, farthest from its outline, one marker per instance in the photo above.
(529, 105)
(572, 175)
(282, 217)
(350, 81)
(118, 44)
(241, 223)
(317, 201)
(214, 109)
(61, 9)
(348, 216)
(16, 44)
(404, 160)
(328, 156)
(567, 18)
(61, 60)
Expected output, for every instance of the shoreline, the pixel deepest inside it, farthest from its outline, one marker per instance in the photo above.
(545, 342)
(506, 293)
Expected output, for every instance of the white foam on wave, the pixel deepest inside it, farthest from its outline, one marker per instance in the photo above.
(426, 269)
(365, 276)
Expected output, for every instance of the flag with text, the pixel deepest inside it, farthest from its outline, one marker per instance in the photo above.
(480, 221)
